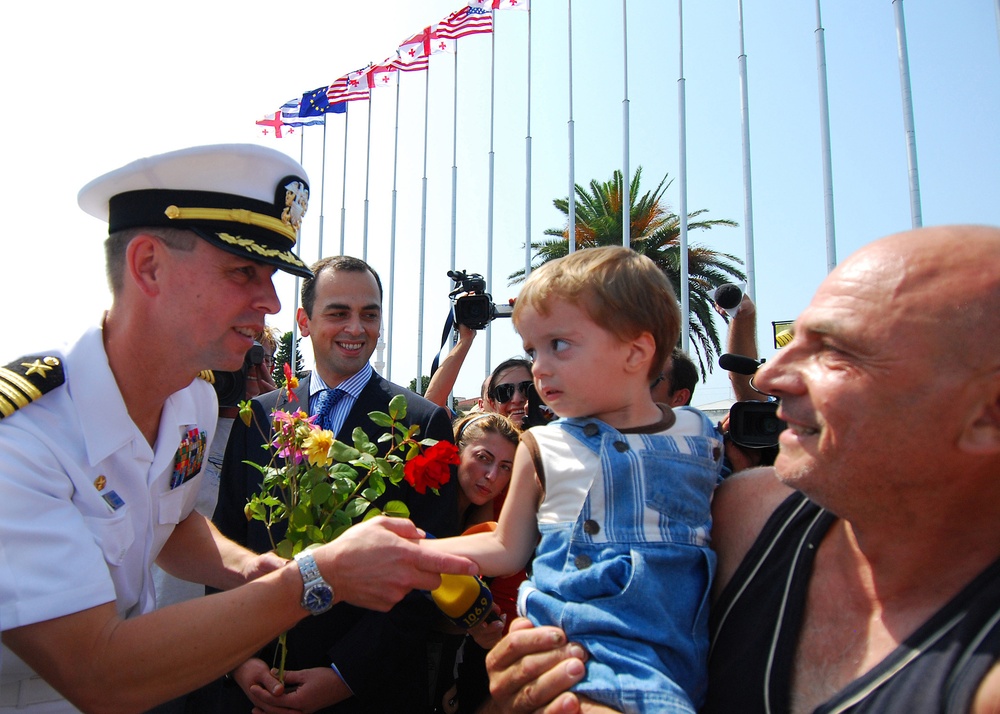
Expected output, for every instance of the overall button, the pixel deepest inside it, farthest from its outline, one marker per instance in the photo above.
(591, 527)
(582, 562)
(591, 429)
(621, 446)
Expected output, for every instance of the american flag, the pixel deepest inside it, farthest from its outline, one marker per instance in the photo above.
(466, 21)
(351, 87)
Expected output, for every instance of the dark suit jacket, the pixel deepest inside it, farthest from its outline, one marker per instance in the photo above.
(381, 656)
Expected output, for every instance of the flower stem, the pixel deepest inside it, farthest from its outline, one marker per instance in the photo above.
(283, 653)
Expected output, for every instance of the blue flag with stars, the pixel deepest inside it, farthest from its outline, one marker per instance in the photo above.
(314, 104)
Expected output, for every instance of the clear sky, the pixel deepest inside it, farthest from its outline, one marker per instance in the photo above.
(90, 86)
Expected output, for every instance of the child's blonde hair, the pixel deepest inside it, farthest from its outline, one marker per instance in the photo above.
(622, 291)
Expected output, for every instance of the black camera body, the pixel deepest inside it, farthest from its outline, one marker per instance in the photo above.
(476, 308)
(752, 424)
(231, 387)
(755, 425)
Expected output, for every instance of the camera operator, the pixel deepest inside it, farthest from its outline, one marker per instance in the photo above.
(472, 310)
(741, 340)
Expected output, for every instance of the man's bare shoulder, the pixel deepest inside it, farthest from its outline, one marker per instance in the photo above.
(987, 699)
(740, 508)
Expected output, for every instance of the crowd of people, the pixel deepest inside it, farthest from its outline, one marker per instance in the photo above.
(639, 560)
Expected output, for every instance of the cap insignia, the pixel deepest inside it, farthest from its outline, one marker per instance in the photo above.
(296, 203)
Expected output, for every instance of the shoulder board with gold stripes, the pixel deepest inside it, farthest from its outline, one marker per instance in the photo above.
(26, 379)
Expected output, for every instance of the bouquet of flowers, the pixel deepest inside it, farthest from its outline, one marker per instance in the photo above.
(319, 486)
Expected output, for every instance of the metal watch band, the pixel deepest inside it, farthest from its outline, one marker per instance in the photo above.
(308, 567)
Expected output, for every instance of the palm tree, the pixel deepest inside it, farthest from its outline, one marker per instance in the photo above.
(655, 232)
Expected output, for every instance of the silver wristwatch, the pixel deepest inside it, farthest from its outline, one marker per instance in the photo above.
(317, 595)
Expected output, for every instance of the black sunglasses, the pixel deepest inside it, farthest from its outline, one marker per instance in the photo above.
(503, 393)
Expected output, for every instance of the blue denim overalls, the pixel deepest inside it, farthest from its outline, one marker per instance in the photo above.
(630, 578)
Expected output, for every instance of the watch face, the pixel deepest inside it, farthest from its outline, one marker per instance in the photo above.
(318, 599)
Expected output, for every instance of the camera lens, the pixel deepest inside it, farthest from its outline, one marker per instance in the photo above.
(255, 355)
(771, 425)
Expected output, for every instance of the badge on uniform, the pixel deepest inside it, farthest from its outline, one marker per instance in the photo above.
(189, 456)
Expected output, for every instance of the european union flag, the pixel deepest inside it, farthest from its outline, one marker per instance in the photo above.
(315, 104)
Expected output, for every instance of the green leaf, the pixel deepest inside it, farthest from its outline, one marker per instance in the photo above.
(396, 509)
(397, 407)
(321, 492)
(373, 513)
(380, 418)
(299, 517)
(285, 549)
(371, 494)
(360, 438)
(396, 473)
(315, 534)
(343, 453)
(356, 507)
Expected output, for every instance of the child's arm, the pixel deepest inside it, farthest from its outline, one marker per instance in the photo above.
(507, 549)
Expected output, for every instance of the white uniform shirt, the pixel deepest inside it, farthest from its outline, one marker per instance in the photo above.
(85, 503)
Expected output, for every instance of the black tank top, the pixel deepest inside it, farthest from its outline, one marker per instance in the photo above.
(756, 621)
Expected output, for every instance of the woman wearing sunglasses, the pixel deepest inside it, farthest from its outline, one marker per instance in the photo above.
(508, 388)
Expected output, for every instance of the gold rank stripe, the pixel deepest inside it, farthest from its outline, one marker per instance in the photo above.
(235, 215)
(6, 408)
(7, 375)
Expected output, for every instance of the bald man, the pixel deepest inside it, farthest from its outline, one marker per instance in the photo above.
(862, 572)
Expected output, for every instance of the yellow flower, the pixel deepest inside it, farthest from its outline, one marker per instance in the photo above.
(317, 447)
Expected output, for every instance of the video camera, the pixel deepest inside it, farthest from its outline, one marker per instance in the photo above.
(752, 424)
(476, 308)
(231, 387)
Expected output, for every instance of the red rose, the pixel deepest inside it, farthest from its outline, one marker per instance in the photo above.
(429, 469)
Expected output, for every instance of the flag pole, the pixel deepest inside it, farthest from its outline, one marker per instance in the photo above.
(571, 229)
(626, 178)
(343, 196)
(392, 233)
(911, 138)
(423, 241)
(322, 190)
(747, 189)
(454, 158)
(295, 298)
(368, 167)
(824, 130)
(682, 174)
(527, 162)
(489, 196)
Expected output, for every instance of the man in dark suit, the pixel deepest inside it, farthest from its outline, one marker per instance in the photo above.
(347, 659)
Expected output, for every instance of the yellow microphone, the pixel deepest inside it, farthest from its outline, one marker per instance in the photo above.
(464, 599)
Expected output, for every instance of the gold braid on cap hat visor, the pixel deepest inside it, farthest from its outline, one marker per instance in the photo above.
(233, 215)
(248, 244)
